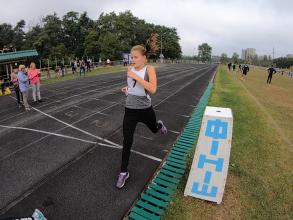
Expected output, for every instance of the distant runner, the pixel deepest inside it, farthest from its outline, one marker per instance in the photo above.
(229, 66)
(271, 71)
(245, 70)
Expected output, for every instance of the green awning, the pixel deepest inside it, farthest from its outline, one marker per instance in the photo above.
(17, 55)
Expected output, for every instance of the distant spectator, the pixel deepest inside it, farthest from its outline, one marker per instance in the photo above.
(62, 68)
(271, 71)
(88, 66)
(125, 62)
(234, 67)
(73, 67)
(229, 66)
(82, 68)
(108, 62)
(14, 81)
(239, 67)
(23, 81)
(34, 75)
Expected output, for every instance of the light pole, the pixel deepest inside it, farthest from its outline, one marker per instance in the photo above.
(161, 55)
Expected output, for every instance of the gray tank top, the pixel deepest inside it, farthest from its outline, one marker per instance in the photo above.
(138, 97)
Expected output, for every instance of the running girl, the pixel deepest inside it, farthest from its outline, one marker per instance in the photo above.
(141, 82)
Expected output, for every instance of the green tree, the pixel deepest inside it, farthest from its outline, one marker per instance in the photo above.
(170, 42)
(50, 37)
(76, 35)
(110, 47)
(92, 45)
(31, 37)
(205, 52)
(224, 58)
(235, 57)
(19, 35)
(71, 32)
(6, 35)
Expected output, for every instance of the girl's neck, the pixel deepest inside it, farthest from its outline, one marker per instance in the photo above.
(140, 67)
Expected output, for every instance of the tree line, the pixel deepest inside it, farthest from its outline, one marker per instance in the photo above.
(77, 35)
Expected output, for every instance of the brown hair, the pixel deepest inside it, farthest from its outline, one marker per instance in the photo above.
(141, 49)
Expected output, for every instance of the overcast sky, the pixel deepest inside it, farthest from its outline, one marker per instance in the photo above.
(227, 25)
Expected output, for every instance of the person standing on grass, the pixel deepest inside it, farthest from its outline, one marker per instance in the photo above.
(14, 81)
(271, 71)
(234, 67)
(88, 65)
(23, 81)
(141, 82)
(72, 67)
(245, 70)
(229, 66)
(82, 68)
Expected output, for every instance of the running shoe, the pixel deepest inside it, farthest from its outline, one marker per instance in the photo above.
(163, 129)
(121, 179)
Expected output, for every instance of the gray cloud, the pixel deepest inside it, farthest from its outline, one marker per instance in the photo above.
(227, 25)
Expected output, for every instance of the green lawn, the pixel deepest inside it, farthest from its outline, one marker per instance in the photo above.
(97, 71)
(260, 177)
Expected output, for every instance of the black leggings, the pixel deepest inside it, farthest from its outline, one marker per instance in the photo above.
(269, 80)
(131, 118)
(18, 94)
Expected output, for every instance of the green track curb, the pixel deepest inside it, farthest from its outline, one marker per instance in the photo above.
(154, 199)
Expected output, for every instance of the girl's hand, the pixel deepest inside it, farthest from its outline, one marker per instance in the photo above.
(131, 74)
(125, 89)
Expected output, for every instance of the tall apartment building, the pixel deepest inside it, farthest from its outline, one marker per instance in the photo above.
(248, 53)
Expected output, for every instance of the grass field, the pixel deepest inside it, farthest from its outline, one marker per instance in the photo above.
(96, 71)
(260, 177)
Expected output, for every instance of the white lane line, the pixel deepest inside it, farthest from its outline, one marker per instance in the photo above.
(47, 132)
(175, 132)
(148, 156)
(73, 138)
(178, 90)
(76, 128)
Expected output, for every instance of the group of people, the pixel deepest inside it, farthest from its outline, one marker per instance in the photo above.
(244, 69)
(83, 66)
(21, 79)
